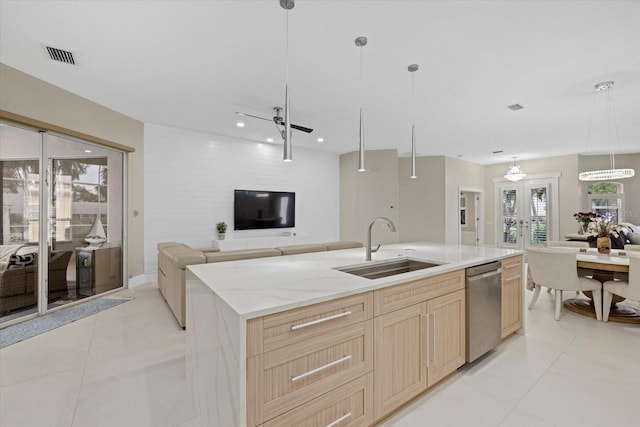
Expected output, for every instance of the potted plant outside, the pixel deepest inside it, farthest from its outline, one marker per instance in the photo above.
(221, 228)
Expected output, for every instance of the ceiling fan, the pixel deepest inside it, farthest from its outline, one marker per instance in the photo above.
(278, 120)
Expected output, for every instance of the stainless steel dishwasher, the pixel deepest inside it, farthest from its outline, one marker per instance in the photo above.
(484, 309)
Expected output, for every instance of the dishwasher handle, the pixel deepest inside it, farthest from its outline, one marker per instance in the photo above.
(485, 275)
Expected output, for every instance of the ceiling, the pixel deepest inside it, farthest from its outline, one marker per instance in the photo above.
(194, 64)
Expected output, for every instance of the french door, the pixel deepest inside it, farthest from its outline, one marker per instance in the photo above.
(526, 213)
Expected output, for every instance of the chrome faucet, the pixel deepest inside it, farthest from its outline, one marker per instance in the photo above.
(391, 226)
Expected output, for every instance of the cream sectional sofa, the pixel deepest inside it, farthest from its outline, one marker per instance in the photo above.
(174, 257)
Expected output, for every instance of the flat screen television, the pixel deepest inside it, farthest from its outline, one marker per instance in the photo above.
(253, 209)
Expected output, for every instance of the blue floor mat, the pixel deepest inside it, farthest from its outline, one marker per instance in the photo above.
(31, 328)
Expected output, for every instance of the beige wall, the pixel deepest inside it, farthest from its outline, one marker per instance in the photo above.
(422, 212)
(369, 194)
(33, 98)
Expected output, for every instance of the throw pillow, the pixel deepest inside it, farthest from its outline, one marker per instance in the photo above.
(634, 238)
(617, 242)
(21, 261)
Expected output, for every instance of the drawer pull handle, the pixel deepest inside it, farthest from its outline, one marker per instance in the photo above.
(324, 319)
(515, 264)
(320, 368)
(339, 420)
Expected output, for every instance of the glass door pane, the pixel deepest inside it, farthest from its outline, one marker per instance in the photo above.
(538, 221)
(511, 221)
(19, 225)
(86, 217)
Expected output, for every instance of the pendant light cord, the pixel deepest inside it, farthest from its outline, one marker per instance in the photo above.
(361, 78)
(287, 49)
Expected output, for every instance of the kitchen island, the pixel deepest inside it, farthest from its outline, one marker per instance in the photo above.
(275, 341)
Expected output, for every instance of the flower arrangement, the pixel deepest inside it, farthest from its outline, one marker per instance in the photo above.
(585, 219)
(604, 227)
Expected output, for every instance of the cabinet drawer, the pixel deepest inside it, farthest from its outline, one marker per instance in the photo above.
(395, 297)
(346, 406)
(283, 329)
(288, 377)
(511, 267)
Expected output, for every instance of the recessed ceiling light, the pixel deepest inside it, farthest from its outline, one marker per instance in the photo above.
(320, 139)
(269, 139)
(515, 107)
(88, 151)
(240, 124)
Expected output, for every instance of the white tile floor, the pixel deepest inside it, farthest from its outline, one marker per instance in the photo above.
(126, 367)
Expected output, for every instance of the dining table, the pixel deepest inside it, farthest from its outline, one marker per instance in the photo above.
(604, 267)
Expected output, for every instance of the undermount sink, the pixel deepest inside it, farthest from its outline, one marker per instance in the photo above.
(386, 268)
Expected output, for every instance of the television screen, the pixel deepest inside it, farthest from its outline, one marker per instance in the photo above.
(263, 209)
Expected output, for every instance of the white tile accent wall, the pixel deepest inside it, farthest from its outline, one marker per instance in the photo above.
(190, 177)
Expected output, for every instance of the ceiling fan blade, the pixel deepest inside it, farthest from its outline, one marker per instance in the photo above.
(255, 117)
(296, 127)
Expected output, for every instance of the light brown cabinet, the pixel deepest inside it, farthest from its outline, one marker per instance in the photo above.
(352, 361)
(296, 357)
(400, 369)
(446, 335)
(511, 295)
(419, 345)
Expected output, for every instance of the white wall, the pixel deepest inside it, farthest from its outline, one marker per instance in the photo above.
(190, 178)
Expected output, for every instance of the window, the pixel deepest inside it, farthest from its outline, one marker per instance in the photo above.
(463, 210)
(20, 183)
(606, 199)
(81, 194)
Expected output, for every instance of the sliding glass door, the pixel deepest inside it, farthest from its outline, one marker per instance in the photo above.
(74, 216)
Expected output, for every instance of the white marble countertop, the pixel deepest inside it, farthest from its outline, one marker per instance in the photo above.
(262, 286)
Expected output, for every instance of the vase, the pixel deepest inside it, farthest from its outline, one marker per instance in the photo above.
(604, 245)
(221, 236)
(583, 228)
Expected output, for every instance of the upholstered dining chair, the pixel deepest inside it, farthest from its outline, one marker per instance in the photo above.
(556, 268)
(627, 289)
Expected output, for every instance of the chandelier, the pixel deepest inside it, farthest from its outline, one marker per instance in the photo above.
(515, 173)
(613, 173)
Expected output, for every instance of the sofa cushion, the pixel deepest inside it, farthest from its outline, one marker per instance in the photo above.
(21, 261)
(208, 249)
(181, 256)
(163, 245)
(302, 249)
(241, 254)
(634, 238)
(333, 246)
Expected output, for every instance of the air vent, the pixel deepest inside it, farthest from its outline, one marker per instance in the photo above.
(515, 107)
(497, 152)
(61, 55)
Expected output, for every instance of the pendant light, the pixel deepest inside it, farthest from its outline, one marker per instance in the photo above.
(412, 69)
(361, 42)
(287, 155)
(515, 173)
(613, 173)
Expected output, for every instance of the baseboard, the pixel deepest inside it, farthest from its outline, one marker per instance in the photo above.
(141, 280)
